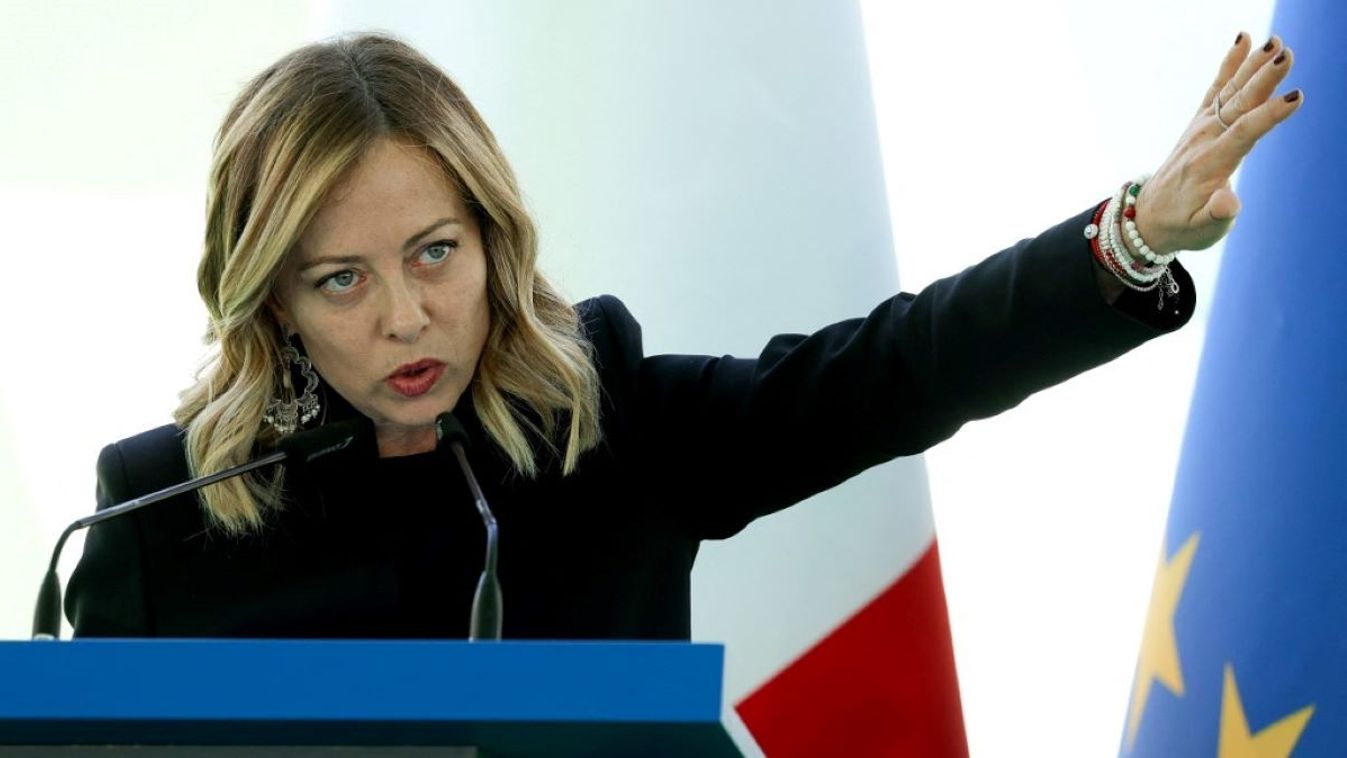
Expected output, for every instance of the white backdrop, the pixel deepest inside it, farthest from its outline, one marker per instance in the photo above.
(995, 122)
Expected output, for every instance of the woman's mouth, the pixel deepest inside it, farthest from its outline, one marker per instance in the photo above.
(416, 379)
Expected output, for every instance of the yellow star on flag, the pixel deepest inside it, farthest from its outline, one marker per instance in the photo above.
(1276, 741)
(1159, 659)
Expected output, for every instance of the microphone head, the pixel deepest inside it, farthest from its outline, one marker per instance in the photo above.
(448, 430)
(312, 444)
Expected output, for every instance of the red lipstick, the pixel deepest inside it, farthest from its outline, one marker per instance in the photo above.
(416, 379)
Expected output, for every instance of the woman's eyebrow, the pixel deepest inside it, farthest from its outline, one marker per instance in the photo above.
(446, 221)
(331, 259)
(412, 240)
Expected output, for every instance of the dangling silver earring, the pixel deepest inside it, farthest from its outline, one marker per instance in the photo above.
(288, 413)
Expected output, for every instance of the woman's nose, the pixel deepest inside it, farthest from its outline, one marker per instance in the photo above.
(406, 317)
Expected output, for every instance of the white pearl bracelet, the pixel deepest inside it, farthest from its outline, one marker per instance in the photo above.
(1118, 255)
(1111, 253)
(1130, 198)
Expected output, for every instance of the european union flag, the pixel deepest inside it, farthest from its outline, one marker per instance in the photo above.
(1245, 646)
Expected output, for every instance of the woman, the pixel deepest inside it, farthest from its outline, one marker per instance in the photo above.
(367, 256)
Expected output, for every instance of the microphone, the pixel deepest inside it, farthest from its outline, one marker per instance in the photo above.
(487, 605)
(301, 448)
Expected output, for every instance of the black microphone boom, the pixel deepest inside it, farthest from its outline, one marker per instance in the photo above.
(487, 603)
(303, 447)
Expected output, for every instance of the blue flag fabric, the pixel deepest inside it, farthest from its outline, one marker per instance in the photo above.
(1245, 647)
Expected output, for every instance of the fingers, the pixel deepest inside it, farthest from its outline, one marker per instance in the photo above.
(1257, 78)
(1256, 111)
(1236, 142)
(1249, 65)
(1233, 57)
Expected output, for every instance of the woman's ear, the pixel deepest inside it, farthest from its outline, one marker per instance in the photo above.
(278, 312)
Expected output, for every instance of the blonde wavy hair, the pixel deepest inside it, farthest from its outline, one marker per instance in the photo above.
(287, 139)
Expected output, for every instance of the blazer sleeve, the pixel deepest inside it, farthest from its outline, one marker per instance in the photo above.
(106, 596)
(724, 440)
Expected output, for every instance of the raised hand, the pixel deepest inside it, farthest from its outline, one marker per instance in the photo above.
(1188, 203)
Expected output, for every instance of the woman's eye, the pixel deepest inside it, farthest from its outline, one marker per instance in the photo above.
(340, 282)
(437, 252)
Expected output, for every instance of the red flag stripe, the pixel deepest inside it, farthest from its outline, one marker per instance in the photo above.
(881, 684)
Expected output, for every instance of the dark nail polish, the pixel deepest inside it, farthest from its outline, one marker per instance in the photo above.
(1268, 47)
(1292, 96)
(1280, 57)
(1239, 38)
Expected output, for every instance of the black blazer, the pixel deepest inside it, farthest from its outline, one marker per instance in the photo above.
(695, 447)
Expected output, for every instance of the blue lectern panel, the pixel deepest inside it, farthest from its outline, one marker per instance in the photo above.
(553, 698)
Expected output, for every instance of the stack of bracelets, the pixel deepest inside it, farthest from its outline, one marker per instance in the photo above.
(1105, 238)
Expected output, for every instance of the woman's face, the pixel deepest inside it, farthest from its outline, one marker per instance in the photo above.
(387, 290)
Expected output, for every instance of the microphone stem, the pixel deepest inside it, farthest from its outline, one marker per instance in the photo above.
(178, 489)
(488, 518)
(47, 615)
(485, 623)
(305, 447)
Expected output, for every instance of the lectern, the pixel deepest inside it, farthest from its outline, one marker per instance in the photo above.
(365, 698)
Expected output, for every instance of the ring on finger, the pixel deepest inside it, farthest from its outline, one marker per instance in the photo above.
(1219, 120)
